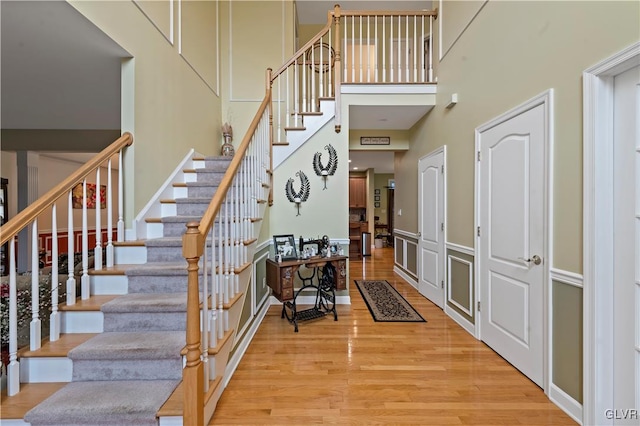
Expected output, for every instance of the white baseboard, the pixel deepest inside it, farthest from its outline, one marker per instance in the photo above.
(408, 278)
(462, 321)
(569, 405)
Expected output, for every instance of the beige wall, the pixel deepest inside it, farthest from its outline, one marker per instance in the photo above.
(249, 47)
(326, 211)
(511, 52)
(381, 183)
(172, 108)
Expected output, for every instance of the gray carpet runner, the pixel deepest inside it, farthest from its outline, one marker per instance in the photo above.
(124, 375)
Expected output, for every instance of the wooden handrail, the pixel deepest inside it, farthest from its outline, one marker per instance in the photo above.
(214, 206)
(383, 13)
(302, 50)
(31, 212)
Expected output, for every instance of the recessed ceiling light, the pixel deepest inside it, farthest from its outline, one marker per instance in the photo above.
(349, 159)
(355, 168)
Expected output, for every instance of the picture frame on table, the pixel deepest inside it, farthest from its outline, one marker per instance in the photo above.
(285, 246)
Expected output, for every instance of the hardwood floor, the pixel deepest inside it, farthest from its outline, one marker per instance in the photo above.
(357, 371)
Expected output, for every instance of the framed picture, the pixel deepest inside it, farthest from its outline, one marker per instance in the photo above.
(375, 140)
(376, 191)
(376, 198)
(376, 204)
(285, 245)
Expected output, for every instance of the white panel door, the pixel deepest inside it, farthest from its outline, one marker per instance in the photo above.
(511, 218)
(431, 227)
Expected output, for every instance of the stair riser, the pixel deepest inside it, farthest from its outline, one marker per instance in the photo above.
(148, 369)
(82, 322)
(45, 370)
(109, 284)
(147, 321)
(130, 255)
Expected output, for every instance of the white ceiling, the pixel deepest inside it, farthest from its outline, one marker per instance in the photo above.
(379, 161)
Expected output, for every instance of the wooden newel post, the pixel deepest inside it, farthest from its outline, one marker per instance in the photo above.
(337, 69)
(270, 94)
(193, 373)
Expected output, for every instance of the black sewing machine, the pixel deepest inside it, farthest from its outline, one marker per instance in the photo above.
(313, 247)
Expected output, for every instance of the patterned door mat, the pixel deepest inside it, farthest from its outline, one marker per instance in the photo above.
(385, 303)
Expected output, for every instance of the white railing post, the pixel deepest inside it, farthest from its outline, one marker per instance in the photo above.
(110, 260)
(84, 280)
(35, 290)
(54, 319)
(13, 369)
(97, 253)
(71, 281)
(430, 49)
(120, 198)
(204, 316)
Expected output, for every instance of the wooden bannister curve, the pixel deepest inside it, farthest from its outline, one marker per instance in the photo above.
(26, 216)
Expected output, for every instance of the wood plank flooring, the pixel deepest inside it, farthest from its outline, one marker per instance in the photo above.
(357, 371)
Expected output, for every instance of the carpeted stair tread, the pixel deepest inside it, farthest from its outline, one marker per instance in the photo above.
(164, 242)
(147, 302)
(103, 403)
(159, 268)
(181, 219)
(131, 346)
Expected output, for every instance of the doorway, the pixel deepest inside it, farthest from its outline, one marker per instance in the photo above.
(512, 201)
(611, 313)
(431, 234)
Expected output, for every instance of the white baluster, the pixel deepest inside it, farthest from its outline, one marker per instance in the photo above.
(391, 55)
(288, 104)
(84, 280)
(120, 198)
(422, 56)
(71, 281)
(13, 369)
(35, 290)
(97, 253)
(415, 50)
(321, 73)
(353, 50)
(110, 260)
(430, 49)
(361, 78)
(406, 48)
(384, 49)
(220, 273)
(54, 319)
(329, 92)
(375, 55)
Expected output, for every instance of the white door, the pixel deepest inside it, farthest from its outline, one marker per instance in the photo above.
(512, 238)
(431, 226)
(626, 266)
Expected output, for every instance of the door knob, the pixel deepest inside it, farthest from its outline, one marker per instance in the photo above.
(535, 259)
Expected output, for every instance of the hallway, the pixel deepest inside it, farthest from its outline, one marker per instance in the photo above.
(357, 371)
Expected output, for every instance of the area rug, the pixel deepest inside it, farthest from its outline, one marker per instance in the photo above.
(385, 303)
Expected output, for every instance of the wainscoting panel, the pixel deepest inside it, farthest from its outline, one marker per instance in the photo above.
(406, 256)
(461, 290)
(566, 337)
(198, 39)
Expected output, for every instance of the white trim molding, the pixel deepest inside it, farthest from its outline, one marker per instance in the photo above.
(566, 277)
(405, 233)
(598, 232)
(408, 278)
(466, 309)
(460, 248)
(569, 405)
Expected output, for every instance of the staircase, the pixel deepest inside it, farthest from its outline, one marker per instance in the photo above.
(126, 372)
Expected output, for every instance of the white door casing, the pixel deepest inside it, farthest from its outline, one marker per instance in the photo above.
(431, 226)
(598, 240)
(513, 231)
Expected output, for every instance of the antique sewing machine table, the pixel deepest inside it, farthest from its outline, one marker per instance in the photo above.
(280, 277)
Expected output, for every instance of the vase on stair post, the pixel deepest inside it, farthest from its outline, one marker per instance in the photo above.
(227, 147)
